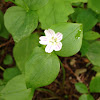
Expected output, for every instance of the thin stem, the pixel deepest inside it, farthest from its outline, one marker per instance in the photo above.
(52, 98)
(2, 68)
(27, 8)
(46, 90)
(2, 45)
(63, 69)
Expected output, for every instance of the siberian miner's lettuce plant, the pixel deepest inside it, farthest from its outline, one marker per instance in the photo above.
(64, 30)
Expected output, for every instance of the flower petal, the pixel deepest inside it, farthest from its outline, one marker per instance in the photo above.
(49, 48)
(49, 33)
(43, 40)
(59, 36)
(58, 46)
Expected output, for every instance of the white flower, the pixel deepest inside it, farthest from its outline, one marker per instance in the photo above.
(52, 40)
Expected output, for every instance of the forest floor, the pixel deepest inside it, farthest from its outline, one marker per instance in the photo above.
(77, 69)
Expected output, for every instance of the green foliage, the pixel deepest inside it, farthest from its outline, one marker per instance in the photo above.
(74, 15)
(3, 31)
(84, 48)
(16, 89)
(8, 60)
(23, 50)
(94, 5)
(32, 4)
(75, 1)
(91, 35)
(87, 18)
(81, 88)
(96, 68)
(93, 53)
(37, 67)
(19, 22)
(8, 0)
(41, 69)
(86, 97)
(49, 15)
(95, 84)
(1, 85)
(10, 73)
(72, 38)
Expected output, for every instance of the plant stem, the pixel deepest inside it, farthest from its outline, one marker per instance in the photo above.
(63, 69)
(2, 68)
(47, 90)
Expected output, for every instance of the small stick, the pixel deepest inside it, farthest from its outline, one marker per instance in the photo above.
(2, 45)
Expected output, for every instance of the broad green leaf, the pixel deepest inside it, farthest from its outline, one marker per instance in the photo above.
(19, 22)
(81, 88)
(87, 18)
(9, 73)
(86, 97)
(1, 19)
(95, 84)
(8, 60)
(93, 53)
(75, 14)
(3, 32)
(23, 49)
(94, 5)
(96, 68)
(32, 4)
(75, 1)
(91, 35)
(1, 85)
(41, 69)
(98, 18)
(56, 11)
(16, 89)
(84, 48)
(72, 38)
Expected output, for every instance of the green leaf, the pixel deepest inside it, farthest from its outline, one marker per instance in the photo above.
(75, 1)
(41, 69)
(20, 23)
(91, 35)
(86, 97)
(16, 90)
(95, 84)
(51, 14)
(75, 14)
(81, 88)
(23, 49)
(93, 53)
(32, 4)
(8, 0)
(96, 68)
(84, 48)
(3, 32)
(87, 18)
(72, 38)
(98, 16)
(1, 85)
(9, 73)
(8, 60)
(94, 5)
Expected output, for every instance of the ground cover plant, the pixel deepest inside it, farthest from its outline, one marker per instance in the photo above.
(49, 50)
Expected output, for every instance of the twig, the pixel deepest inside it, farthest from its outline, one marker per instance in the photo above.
(73, 73)
(47, 90)
(8, 42)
